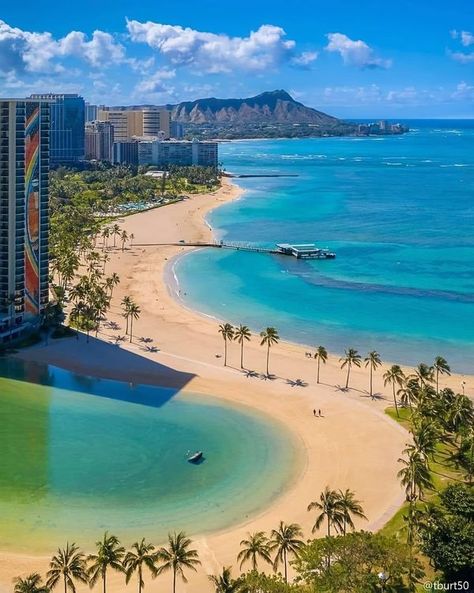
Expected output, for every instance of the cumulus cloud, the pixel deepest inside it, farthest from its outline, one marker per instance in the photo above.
(305, 59)
(465, 37)
(355, 53)
(26, 51)
(215, 53)
(156, 82)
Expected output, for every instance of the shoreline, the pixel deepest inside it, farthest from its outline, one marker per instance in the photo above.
(342, 449)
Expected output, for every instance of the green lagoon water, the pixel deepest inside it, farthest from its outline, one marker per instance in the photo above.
(80, 455)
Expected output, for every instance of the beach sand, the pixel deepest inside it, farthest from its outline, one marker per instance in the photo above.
(354, 445)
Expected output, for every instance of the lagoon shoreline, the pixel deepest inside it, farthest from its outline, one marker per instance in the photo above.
(343, 449)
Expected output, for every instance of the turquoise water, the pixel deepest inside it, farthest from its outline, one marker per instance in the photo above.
(399, 212)
(81, 455)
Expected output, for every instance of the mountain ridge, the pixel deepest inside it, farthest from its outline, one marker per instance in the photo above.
(277, 107)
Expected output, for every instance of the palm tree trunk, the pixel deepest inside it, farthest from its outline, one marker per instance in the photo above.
(286, 565)
(225, 352)
(105, 582)
(348, 373)
(329, 527)
(242, 354)
(437, 381)
(395, 400)
(131, 328)
(370, 381)
(65, 584)
(139, 579)
(174, 580)
(268, 358)
(317, 380)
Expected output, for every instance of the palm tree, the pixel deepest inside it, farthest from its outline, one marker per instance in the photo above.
(105, 235)
(224, 583)
(242, 334)
(141, 556)
(227, 332)
(394, 376)
(286, 541)
(321, 356)
(114, 281)
(123, 238)
(109, 555)
(329, 505)
(372, 361)
(415, 475)
(269, 337)
(423, 374)
(441, 367)
(349, 507)
(68, 564)
(255, 546)
(30, 584)
(177, 556)
(134, 313)
(115, 232)
(351, 358)
(126, 302)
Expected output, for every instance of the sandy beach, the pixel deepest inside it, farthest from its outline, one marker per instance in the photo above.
(354, 445)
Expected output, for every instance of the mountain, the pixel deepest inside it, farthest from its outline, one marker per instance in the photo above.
(277, 107)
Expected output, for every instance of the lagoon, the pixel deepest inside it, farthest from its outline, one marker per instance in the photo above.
(81, 455)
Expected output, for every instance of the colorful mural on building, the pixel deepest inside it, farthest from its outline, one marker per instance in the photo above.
(32, 209)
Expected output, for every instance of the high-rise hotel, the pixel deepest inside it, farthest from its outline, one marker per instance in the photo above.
(24, 168)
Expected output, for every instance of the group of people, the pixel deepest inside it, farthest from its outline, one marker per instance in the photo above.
(318, 414)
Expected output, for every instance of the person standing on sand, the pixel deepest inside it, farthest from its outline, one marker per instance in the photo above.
(319, 413)
(314, 412)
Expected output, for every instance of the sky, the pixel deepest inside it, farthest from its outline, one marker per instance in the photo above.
(352, 59)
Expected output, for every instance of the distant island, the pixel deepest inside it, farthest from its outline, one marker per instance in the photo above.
(273, 114)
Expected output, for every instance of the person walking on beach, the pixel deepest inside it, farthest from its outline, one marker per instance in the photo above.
(319, 413)
(314, 412)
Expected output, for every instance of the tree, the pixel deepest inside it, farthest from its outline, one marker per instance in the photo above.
(141, 556)
(351, 358)
(372, 361)
(178, 556)
(330, 507)
(269, 337)
(415, 475)
(448, 539)
(441, 367)
(394, 376)
(349, 507)
(242, 334)
(125, 303)
(423, 374)
(115, 232)
(134, 312)
(321, 356)
(358, 559)
(254, 547)
(227, 332)
(123, 238)
(30, 584)
(68, 564)
(285, 541)
(224, 583)
(109, 555)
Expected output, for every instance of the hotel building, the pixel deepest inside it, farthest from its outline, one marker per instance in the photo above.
(133, 121)
(24, 215)
(67, 127)
(99, 137)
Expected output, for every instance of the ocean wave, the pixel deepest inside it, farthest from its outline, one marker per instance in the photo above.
(394, 164)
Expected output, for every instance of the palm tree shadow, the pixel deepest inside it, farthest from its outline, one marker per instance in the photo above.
(297, 383)
(341, 388)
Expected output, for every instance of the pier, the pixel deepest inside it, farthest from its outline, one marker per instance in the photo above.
(300, 251)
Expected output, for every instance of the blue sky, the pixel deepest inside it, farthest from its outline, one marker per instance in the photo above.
(371, 58)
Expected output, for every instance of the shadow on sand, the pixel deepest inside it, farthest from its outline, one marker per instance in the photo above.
(97, 368)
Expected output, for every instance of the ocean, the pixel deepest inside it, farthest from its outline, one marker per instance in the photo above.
(399, 213)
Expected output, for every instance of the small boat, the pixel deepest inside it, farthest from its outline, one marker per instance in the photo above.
(195, 457)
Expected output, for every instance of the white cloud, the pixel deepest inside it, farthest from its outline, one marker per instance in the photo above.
(355, 53)
(306, 58)
(461, 57)
(26, 51)
(156, 82)
(215, 53)
(466, 37)
(463, 91)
